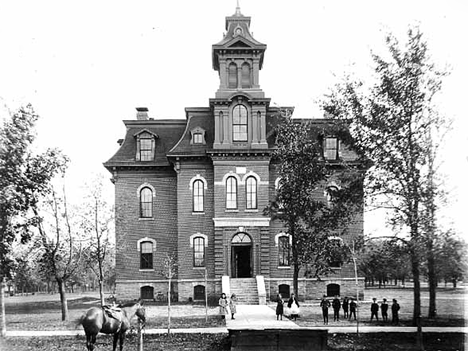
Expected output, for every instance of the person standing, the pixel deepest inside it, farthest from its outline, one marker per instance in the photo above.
(279, 307)
(232, 305)
(352, 309)
(384, 309)
(223, 306)
(345, 307)
(395, 309)
(325, 304)
(374, 309)
(336, 304)
(293, 306)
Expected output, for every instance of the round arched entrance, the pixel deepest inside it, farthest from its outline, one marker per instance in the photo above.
(241, 256)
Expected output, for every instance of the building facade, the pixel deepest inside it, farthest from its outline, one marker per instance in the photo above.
(195, 189)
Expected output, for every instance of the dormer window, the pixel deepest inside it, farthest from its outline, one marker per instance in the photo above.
(330, 148)
(198, 136)
(146, 142)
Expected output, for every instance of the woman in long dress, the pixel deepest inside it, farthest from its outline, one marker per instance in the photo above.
(223, 306)
(293, 307)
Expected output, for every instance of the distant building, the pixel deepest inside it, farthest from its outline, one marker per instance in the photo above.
(196, 188)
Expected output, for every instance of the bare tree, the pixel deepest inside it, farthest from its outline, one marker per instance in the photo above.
(169, 271)
(61, 251)
(97, 220)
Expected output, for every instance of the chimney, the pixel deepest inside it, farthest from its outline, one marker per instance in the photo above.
(142, 113)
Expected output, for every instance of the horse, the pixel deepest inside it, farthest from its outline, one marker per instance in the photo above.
(117, 321)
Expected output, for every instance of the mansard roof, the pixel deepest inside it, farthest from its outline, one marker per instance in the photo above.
(168, 131)
(201, 117)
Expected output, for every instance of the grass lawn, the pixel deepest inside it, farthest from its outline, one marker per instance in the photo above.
(220, 342)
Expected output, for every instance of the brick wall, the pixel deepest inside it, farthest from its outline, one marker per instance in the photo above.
(130, 227)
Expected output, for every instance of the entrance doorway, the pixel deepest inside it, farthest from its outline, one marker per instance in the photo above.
(241, 256)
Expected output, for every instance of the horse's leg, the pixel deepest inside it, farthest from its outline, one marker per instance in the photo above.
(116, 337)
(93, 341)
(122, 338)
(88, 342)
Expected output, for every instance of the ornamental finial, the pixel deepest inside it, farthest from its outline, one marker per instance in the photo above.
(238, 12)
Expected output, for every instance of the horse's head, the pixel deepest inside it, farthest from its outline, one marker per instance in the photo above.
(141, 314)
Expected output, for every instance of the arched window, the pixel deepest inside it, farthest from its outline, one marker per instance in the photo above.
(231, 193)
(198, 196)
(239, 123)
(198, 292)
(284, 251)
(246, 76)
(251, 193)
(333, 289)
(232, 76)
(199, 252)
(146, 255)
(146, 203)
(284, 290)
(147, 293)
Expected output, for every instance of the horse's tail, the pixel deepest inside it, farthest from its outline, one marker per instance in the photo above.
(79, 321)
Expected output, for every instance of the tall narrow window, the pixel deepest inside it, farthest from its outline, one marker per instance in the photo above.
(146, 149)
(198, 196)
(239, 123)
(146, 203)
(330, 149)
(246, 76)
(146, 255)
(199, 252)
(232, 76)
(284, 251)
(231, 193)
(251, 193)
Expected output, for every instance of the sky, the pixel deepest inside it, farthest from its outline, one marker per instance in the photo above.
(85, 65)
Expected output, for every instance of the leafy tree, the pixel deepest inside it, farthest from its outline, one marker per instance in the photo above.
(300, 204)
(452, 259)
(389, 123)
(24, 178)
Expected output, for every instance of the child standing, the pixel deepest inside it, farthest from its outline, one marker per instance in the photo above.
(232, 305)
(279, 307)
(223, 304)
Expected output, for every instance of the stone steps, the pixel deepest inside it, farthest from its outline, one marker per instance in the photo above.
(245, 290)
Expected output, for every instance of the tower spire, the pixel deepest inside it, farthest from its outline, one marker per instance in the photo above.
(238, 12)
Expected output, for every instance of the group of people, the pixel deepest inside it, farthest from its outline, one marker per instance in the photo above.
(384, 310)
(291, 308)
(226, 306)
(349, 309)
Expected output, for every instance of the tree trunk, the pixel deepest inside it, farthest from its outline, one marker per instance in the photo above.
(432, 281)
(2, 303)
(101, 293)
(454, 281)
(417, 298)
(169, 308)
(63, 299)
(296, 279)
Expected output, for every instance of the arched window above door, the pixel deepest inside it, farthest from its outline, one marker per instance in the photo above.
(241, 238)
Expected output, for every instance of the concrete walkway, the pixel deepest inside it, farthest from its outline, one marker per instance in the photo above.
(258, 317)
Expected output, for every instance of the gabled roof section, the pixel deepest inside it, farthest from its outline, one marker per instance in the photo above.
(146, 131)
